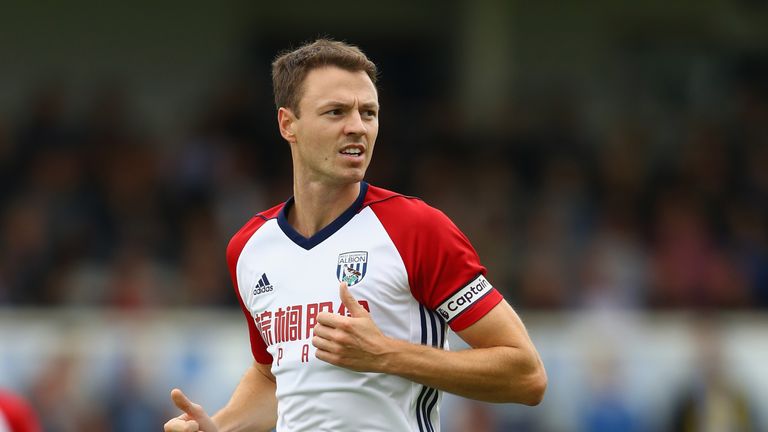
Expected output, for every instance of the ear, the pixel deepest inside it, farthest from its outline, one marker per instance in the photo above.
(286, 120)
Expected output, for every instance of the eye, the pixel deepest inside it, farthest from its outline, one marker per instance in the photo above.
(335, 112)
(370, 113)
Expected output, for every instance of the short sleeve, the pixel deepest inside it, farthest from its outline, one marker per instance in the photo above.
(235, 247)
(444, 270)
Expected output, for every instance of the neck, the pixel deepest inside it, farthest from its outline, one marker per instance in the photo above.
(316, 205)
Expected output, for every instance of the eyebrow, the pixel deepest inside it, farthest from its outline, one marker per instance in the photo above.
(336, 103)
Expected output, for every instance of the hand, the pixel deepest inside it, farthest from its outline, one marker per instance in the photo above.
(194, 418)
(353, 342)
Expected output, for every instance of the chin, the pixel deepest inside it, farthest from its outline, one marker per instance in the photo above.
(350, 179)
(354, 175)
(355, 179)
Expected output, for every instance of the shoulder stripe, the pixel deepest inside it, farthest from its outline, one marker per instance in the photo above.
(423, 316)
(432, 399)
(432, 332)
(434, 328)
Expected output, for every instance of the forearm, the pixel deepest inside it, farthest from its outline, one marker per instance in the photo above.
(253, 405)
(494, 374)
(502, 366)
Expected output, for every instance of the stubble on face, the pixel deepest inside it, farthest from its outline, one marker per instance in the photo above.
(337, 130)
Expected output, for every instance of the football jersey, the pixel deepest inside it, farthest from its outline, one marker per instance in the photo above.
(404, 261)
(16, 415)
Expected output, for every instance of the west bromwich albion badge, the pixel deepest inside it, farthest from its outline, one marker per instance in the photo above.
(351, 267)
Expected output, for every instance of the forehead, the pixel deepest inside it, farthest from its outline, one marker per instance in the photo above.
(333, 83)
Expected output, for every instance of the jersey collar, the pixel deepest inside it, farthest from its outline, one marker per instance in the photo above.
(327, 231)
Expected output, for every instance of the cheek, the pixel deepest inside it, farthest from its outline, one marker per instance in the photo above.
(373, 131)
(371, 142)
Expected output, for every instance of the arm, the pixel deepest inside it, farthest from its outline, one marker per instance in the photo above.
(502, 366)
(252, 407)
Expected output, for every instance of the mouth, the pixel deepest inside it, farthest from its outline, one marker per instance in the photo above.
(353, 151)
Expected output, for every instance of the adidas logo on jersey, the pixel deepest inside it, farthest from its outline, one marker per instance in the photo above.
(263, 285)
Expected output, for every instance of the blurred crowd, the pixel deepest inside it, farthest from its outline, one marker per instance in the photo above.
(647, 212)
(99, 210)
(96, 211)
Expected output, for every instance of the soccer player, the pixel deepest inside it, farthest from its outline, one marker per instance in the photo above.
(348, 289)
(16, 415)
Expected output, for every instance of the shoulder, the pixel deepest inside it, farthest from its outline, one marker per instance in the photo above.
(241, 237)
(439, 259)
(416, 228)
(396, 208)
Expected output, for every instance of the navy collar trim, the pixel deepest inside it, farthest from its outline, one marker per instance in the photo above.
(328, 230)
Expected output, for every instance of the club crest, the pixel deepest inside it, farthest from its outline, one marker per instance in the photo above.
(352, 267)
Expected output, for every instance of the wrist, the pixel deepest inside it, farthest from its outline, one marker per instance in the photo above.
(218, 421)
(391, 360)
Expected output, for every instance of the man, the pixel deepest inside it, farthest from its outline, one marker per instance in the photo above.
(347, 288)
(16, 415)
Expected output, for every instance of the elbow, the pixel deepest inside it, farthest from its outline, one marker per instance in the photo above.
(535, 389)
(525, 389)
(528, 389)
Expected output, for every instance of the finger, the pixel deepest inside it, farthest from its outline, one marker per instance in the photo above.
(328, 319)
(191, 426)
(183, 403)
(179, 425)
(355, 309)
(328, 357)
(324, 344)
(322, 331)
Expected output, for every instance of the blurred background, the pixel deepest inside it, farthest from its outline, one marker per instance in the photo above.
(608, 160)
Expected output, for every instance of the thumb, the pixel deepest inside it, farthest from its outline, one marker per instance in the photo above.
(350, 302)
(193, 410)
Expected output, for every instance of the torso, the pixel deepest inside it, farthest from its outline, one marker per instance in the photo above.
(284, 280)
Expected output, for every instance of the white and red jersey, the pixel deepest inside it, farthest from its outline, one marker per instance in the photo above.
(16, 415)
(404, 261)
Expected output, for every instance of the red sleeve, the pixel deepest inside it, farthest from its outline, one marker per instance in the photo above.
(444, 271)
(235, 247)
(18, 414)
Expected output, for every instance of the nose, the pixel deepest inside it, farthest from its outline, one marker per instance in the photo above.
(355, 124)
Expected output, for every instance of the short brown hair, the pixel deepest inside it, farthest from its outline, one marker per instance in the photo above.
(291, 67)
